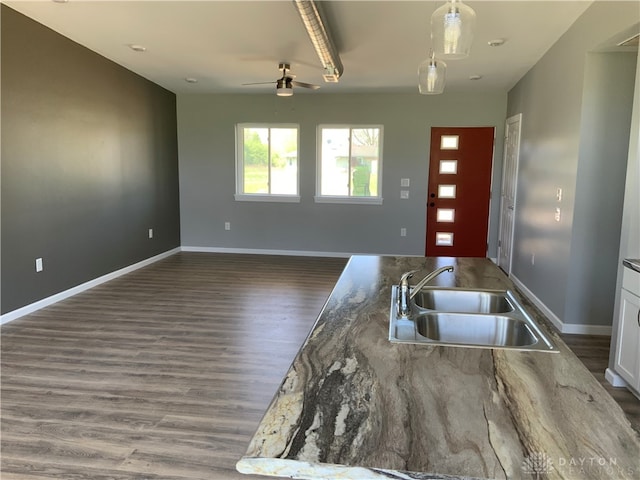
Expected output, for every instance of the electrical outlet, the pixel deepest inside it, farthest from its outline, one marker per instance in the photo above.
(404, 194)
(557, 215)
(227, 225)
(404, 182)
(39, 266)
(403, 232)
(151, 233)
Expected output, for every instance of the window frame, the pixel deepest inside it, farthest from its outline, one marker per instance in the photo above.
(240, 195)
(347, 199)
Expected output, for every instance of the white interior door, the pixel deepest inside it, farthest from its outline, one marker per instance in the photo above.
(509, 188)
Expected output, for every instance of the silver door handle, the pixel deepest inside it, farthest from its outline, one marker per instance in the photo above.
(510, 207)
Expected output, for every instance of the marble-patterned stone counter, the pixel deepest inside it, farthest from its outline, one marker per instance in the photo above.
(355, 406)
(632, 263)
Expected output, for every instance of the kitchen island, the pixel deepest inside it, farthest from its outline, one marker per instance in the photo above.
(355, 406)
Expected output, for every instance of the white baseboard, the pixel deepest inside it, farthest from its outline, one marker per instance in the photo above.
(295, 253)
(45, 302)
(570, 328)
(614, 379)
(258, 251)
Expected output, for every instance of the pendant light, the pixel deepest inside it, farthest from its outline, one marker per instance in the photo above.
(431, 76)
(452, 29)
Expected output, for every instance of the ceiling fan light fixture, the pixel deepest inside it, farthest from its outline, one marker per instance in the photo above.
(431, 76)
(284, 88)
(452, 27)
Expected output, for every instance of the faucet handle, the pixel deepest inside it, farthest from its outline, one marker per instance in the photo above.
(406, 276)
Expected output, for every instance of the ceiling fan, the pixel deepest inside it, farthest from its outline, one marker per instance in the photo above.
(284, 85)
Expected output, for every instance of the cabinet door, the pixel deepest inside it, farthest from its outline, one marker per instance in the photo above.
(628, 351)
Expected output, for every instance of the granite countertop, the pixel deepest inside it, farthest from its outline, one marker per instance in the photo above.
(632, 263)
(355, 406)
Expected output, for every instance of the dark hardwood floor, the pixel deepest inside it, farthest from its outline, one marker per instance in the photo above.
(165, 373)
(593, 351)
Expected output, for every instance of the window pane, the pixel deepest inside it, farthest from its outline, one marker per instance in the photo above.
(284, 161)
(444, 239)
(446, 191)
(449, 142)
(364, 162)
(256, 160)
(445, 215)
(335, 161)
(448, 166)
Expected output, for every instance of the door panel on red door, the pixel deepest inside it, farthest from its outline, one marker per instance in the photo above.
(459, 191)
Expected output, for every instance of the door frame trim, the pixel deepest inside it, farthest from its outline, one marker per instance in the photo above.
(510, 119)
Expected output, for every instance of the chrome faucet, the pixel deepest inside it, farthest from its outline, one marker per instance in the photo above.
(406, 294)
(403, 293)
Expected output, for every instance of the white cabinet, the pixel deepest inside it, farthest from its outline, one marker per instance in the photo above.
(627, 363)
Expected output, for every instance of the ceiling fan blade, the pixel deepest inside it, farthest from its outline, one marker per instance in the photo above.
(305, 85)
(259, 83)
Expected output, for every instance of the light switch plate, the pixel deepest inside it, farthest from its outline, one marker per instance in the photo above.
(39, 266)
(404, 182)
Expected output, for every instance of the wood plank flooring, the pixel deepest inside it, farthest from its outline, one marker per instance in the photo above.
(161, 374)
(165, 373)
(593, 351)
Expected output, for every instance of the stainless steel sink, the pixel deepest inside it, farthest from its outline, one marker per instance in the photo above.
(467, 318)
(463, 301)
(462, 329)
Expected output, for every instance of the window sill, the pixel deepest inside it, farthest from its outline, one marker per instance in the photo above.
(244, 197)
(349, 200)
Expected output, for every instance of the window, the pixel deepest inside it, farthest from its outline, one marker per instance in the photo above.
(444, 239)
(349, 164)
(267, 163)
(445, 215)
(448, 166)
(449, 142)
(446, 191)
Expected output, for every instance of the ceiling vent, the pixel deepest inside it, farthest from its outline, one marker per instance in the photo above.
(631, 42)
(320, 39)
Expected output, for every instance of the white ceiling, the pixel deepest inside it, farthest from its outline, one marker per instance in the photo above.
(226, 43)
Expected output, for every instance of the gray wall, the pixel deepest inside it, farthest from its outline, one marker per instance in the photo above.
(207, 177)
(597, 216)
(89, 164)
(563, 145)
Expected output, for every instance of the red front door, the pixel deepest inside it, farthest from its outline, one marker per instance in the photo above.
(459, 191)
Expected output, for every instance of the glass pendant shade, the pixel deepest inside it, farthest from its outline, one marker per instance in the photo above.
(452, 28)
(431, 76)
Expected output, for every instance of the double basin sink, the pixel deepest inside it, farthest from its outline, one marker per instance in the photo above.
(466, 318)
